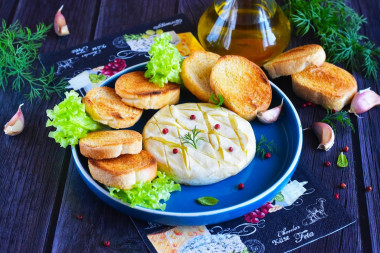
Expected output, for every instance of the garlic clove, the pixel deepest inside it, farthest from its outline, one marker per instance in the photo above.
(363, 101)
(60, 26)
(271, 115)
(325, 135)
(16, 124)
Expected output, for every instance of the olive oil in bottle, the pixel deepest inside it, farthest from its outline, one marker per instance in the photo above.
(255, 29)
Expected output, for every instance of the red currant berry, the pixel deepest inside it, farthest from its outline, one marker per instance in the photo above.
(255, 220)
(264, 210)
(175, 150)
(328, 163)
(336, 195)
(343, 185)
(253, 215)
(309, 103)
(345, 149)
(192, 117)
(106, 243)
(333, 111)
(241, 186)
(165, 131)
(368, 188)
(230, 149)
(79, 217)
(268, 155)
(217, 126)
(257, 211)
(261, 215)
(303, 105)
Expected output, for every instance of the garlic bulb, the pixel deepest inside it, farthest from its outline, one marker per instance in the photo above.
(325, 135)
(363, 101)
(271, 115)
(16, 124)
(60, 26)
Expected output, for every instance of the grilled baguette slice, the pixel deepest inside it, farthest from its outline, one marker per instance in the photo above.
(196, 70)
(295, 60)
(105, 106)
(328, 85)
(136, 90)
(124, 171)
(244, 86)
(110, 144)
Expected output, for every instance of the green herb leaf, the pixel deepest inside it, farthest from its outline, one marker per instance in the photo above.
(148, 194)
(207, 201)
(218, 103)
(263, 146)
(192, 137)
(342, 117)
(94, 78)
(165, 62)
(18, 51)
(337, 26)
(71, 120)
(342, 161)
(279, 197)
(129, 37)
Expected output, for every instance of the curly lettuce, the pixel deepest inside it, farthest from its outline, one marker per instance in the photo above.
(71, 120)
(148, 194)
(165, 62)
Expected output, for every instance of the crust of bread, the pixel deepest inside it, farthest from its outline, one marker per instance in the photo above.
(136, 90)
(327, 85)
(196, 70)
(124, 171)
(295, 60)
(106, 107)
(110, 144)
(244, 86)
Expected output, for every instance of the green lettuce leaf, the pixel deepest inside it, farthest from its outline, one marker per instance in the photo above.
(71, 120)
(165, 62)
(148, 194)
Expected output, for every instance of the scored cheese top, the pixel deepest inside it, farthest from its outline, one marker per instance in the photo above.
(212, 161)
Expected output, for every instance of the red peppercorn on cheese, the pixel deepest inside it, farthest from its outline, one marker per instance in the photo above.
(218, 152)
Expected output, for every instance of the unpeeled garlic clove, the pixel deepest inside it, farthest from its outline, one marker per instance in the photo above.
(60, 26)
(271, 115)
(325, 135)
(16, 124)
(363, 101)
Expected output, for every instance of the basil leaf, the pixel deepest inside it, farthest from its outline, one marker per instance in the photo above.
(342, 161)
(207, 201)
(94, 78)
(279, 197)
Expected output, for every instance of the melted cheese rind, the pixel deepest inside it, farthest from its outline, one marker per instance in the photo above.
(212, 161)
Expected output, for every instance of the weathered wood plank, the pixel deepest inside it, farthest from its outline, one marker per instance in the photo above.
(32, 164)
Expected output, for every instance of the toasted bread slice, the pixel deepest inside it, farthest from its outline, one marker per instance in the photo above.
(110, 144)
(105, 106)
(124, 171)
(244, 86)
(295, 60)
(328, 85)
(196, 70)
(136, 90)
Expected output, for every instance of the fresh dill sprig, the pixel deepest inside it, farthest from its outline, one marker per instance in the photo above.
(342, 117)
(218, 103)
(264, 146)
(192, 137)
(337, 26)
(129, 37)
(18, 51)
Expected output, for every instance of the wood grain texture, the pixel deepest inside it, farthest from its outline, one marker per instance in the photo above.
(32, 165)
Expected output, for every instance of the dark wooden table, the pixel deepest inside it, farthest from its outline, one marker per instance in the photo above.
(41, 192)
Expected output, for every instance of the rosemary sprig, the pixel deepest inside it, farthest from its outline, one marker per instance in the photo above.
(337, 26)
(18, 51)
(263, 146)
(218, 103)
(342, 117)
(192, 138)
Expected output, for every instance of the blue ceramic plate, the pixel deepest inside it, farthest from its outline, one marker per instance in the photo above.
(263, 179)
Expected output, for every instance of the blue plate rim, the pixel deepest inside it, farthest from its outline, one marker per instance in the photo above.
(289, 171)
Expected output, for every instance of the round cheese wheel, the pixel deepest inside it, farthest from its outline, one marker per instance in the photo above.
(224, 144)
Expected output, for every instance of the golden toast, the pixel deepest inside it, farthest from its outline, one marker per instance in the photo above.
(244, 86)
(136, 90)
(124, 171)
(110, 144)
(295, 60)
(106, 107)
(196, 70)
(327, 85)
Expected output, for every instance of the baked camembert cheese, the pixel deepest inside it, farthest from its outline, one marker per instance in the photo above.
(227, 143)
